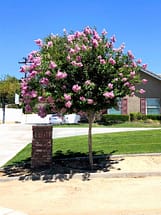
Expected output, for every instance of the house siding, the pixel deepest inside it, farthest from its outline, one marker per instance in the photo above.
(152, 87)
(138, 102)
(153, 90)
(133, 104)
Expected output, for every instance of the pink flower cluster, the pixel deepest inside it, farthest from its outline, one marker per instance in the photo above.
(42, 111)
(52, 65)
(142, 91)
(41, 99)
(79, 64)
(120, 49)
(109, 95)
(50, 44)
(144, 66)
(130, 54)
(82, 42)
(44, 81)
(82, 98)
(48, 73)
(60, 75)
(68, 104)
(88, 82)
(112, 61)
(24, 68)
(39, 42)
(102, 61)
(76, 88)
(144, 81)
(67, 97)
(90, 101)
(110, 86)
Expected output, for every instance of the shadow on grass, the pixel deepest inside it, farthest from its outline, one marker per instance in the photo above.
(64, 167)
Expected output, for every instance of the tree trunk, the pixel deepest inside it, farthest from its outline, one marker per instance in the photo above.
(90, 120)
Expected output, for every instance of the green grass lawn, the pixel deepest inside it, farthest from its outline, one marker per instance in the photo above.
(137, 124)
(110, 143)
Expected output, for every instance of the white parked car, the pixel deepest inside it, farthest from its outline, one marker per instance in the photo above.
(71, 118)
(55, 119)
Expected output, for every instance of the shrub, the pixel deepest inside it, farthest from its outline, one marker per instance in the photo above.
(137, 116)
(154, 116)
(133, 117)
(140, 116)
(113, 119)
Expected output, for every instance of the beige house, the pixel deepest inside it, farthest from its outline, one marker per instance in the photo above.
(147, 103)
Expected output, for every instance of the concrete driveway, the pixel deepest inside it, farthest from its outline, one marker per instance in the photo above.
(14, 137)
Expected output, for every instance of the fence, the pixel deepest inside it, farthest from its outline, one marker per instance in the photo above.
(13, 115)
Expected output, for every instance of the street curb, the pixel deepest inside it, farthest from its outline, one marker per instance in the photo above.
(136, 155)
(82, 176)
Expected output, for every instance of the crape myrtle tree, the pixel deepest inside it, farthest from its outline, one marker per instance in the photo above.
(80, 72)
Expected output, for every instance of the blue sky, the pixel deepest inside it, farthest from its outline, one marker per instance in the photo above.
(137, 23)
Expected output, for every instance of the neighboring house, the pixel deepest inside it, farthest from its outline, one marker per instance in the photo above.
(147, 103)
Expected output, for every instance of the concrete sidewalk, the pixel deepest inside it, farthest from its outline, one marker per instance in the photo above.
(13, 138)
(8, 211)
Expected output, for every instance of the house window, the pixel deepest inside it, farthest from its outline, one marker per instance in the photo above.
(153, 105)
(115, 110)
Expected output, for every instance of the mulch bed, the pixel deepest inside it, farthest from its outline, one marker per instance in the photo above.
(60, 167)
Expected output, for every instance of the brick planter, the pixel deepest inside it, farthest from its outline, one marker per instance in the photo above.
(41, 146)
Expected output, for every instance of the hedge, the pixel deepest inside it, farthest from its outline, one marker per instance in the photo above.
(139, 116)
(113, 118)
(107, 119)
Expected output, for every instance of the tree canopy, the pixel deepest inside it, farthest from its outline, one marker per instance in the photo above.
(80, 72)
(9, 85)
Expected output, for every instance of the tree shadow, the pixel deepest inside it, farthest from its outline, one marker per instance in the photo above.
(64, 167)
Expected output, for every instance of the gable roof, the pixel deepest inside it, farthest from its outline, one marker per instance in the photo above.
(151, 74)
